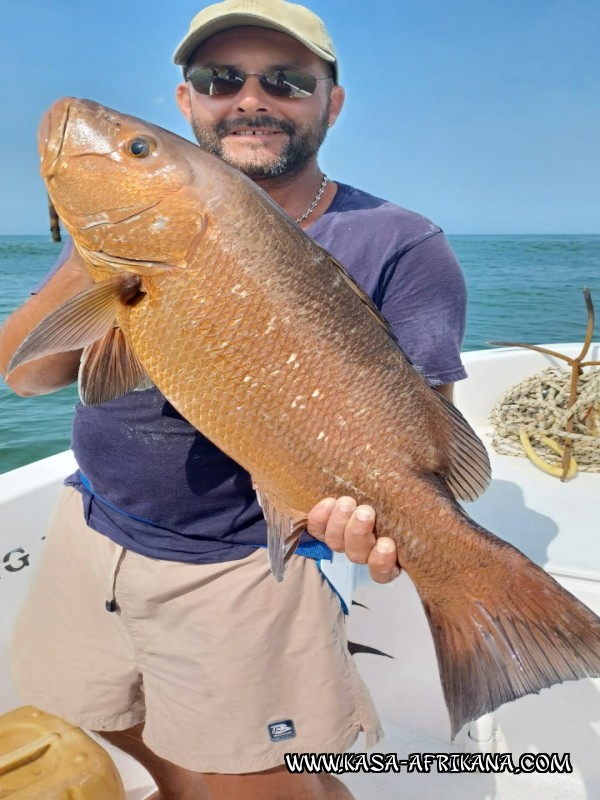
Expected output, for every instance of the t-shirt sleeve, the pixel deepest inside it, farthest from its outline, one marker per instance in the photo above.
(423, 296)
(62, 257)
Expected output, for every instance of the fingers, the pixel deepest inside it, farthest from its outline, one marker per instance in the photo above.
(348, 528)
(359, 534)
(318, 517)
(383, 561)
(344, 527)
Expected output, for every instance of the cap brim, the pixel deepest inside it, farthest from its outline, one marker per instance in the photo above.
(194, 39)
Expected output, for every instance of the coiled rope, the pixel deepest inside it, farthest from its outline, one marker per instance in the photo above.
(554, 416)
(539, 408)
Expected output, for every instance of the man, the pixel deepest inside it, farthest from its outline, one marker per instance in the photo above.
(154, 613)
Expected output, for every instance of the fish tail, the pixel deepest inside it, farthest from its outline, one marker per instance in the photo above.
(504, 628)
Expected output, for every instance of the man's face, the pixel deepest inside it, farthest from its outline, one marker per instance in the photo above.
(261, 134)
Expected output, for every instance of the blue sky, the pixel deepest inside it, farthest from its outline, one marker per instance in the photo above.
(485, 116)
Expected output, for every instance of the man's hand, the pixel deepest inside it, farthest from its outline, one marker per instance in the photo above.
(348, 528)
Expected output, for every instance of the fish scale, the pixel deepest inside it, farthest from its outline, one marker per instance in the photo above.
(238, 317)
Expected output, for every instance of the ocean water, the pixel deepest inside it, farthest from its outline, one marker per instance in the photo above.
(522, 288)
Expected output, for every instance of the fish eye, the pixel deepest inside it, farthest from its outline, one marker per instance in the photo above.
(140, 147)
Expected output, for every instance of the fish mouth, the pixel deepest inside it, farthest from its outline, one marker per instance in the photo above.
(51, 134)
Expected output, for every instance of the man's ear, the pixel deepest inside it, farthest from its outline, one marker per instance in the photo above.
(182, 96)
(336, 96)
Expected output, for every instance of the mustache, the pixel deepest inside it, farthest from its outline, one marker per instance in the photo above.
(224, 127)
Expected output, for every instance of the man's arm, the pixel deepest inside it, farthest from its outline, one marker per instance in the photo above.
(49, 373)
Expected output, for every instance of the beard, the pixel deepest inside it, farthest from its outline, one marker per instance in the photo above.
(303, 143)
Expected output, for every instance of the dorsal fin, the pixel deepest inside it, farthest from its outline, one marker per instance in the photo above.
(469, 464)
(361, 294)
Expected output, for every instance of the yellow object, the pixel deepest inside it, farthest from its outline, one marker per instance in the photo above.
(42, 757)
(539, 461)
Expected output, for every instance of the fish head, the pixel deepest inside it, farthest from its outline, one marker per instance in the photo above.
(125, 189)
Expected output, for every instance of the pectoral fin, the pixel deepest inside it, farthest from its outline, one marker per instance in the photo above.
(284, 526)
(109, 369)
(79, 322)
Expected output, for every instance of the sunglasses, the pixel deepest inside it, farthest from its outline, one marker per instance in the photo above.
(220, 81)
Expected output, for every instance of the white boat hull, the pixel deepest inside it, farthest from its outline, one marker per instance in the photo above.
(556, 524)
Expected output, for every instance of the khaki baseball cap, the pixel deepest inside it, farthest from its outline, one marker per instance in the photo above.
(278, 15)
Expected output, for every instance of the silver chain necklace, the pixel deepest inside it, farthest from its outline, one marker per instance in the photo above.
(313, 205)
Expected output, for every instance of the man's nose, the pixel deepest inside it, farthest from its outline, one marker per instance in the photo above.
(252, 97)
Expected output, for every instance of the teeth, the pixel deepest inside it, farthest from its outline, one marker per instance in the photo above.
(252, 133)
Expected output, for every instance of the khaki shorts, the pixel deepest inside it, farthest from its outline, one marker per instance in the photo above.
(228, 668)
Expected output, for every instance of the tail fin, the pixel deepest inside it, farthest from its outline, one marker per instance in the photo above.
(503, 629)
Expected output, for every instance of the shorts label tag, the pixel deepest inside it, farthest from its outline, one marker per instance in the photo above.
(279, 731)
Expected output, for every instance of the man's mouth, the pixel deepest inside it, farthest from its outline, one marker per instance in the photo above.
(254, 132)
(260, 128)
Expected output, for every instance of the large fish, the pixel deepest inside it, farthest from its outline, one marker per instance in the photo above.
(265, 344)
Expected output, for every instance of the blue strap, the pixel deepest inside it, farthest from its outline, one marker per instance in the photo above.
(88, 486)
(316, 550)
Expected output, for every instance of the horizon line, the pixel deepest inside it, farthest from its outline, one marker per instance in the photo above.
(447, 233)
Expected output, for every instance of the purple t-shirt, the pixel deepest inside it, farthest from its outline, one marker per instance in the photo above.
(185, 500)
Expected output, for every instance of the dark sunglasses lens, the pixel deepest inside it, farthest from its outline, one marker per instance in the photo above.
(289, 83)
(216, 82)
